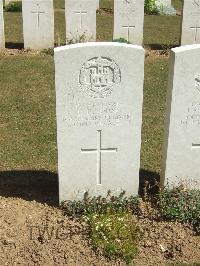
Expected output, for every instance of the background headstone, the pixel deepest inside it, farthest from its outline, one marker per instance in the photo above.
(38, 24)
(2, 37)
(97, 6)
(99, 92)
(181, 158)
(80, 18)
(128, 20)
(190, 22)
(165, 7)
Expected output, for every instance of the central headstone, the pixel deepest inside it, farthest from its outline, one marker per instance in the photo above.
(181, 156)
(99, 92)
(129, 20)
(191, 22)
(38, 24)
(2, 38)
(80, 18)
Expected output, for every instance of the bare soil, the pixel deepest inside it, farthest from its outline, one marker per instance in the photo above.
(35, 233)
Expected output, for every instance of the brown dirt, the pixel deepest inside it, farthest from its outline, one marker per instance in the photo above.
(33, 233)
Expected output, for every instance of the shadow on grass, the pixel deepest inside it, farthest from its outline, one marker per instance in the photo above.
(12, 45)
(156, 46)
(149, 182)
(41, 186)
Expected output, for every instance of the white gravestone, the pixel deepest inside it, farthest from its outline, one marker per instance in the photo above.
(191, 22)
(80, 18)
(2, 38)
(38, 24)
(99, 93)
(163, 2)
(129, 20)
(97, 5)
(181, 156)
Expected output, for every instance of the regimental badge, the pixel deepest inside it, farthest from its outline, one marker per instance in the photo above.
(99, 77)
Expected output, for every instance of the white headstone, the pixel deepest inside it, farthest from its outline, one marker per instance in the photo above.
(38, 24)
(128, 20)
(99, 92)
(190, 22)
(181, 158)
(80, 18)
(97, 6)
(2, 38)
(163, 2)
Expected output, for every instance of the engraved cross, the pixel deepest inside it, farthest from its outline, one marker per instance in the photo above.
(81, 14)
(196, 145)
(38, 12)
(196, 28)
(99, 150)
(128, 29)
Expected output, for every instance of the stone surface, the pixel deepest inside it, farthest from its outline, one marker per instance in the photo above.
(128, 20)
(99, 92)
(80, 18)
(97, 6)
(38, 24)
(2, 37)
(191, 22)
(163, 2)
(181, 155)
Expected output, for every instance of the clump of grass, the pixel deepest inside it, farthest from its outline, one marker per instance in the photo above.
(115, 234)
(113, 227)
(180, 204)
(150, 7)
(15, 6)
(121, 40)
(49, 51)
(109, 204)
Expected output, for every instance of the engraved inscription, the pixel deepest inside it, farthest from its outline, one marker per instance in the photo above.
(80, 114)
(99, 76)
(192, 116)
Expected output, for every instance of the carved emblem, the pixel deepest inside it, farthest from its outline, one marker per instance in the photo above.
(196, 3)
(99, 76)
(197, 82)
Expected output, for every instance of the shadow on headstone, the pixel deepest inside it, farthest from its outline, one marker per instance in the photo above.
(41, 186)
(11, 45)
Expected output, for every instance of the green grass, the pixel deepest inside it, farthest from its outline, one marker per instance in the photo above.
(28, 123)
(28, 104)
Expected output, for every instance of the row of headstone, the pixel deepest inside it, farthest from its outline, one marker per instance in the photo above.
(99, 92)
(38, 21)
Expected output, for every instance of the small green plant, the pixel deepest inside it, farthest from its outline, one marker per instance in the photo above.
(79, 39)
(15, 6)
(100, 205)
(122, 40)
(48, 51)
(115, 234)
(150, 7)
(182, 205)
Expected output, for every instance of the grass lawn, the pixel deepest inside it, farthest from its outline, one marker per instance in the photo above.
(28, 123)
